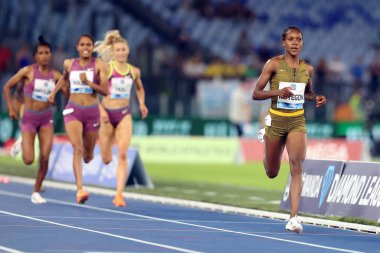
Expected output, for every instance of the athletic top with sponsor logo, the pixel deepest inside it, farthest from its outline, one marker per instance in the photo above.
(41, 85)
(296, 79)
(120, 83)
(76, 85)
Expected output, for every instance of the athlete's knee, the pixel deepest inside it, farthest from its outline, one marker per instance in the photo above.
(106, 159)
(44, 158)
(28, 160)
(295, 166)
(272, 173)
(78, 149)
(43, 169)
(271, 169)
(122, 156)
(296, 171)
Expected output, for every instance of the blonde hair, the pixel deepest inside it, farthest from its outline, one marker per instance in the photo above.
(104, 47)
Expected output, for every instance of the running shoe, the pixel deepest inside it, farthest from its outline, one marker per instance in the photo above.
(16, 147)
(294, 225)
(37, 199)
(118, 201)
(268, 120)
(82, 196)
(261, 132)
(260, 135)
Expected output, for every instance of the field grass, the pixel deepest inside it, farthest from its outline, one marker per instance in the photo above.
(238, 185)
(243, 185)
(245, 175)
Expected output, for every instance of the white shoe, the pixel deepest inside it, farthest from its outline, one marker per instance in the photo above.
(294, 225)
(260, 135)
(37, 199)
(16, 147)
(268, 120)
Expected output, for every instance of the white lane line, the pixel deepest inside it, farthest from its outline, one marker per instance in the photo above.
(183, 223)
(140, 219)
(176, 230)
(205, 206)
(9, 250)
(102, 233)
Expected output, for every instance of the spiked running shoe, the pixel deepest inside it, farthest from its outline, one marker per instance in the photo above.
(37, 199)
(82, 196)
(119, 201)
(294, 225)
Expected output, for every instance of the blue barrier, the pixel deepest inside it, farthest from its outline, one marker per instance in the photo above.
(339, 188)
(96, 172)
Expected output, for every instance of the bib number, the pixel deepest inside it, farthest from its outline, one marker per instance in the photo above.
(121, 87)
(77, 86)
(296, 101)
(42, 89)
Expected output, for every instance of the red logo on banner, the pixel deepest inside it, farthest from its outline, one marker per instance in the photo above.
(253, 150)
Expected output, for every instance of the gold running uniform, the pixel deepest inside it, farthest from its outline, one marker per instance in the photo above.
(288, 114)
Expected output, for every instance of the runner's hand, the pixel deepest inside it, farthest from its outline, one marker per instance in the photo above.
(13, 114)
(320, 100)
(285, 92)
(83, 78)
(144, 111)
(51, 98)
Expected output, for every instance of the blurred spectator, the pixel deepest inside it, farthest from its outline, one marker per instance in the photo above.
(321, 85)
(5, 57)
(145, 52)
(60, 5)
(244, 45)
(194, 67)
(337, 68)
(224, 9)
(234, 68)
(240, 111)
(343, 113)
(356, 104)
(321, 73)
(23, 56)
(264, 53)
(357, 72)
(374, 72)
(351, 111)
(253, 66)
(215, 68)
(58, 58)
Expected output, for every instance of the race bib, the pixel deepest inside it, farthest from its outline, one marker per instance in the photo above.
(121, 87)
(76, 85)
(42, 89)
(296, 101)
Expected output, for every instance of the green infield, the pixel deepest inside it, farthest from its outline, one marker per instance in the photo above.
(244, 175)
(243, 185)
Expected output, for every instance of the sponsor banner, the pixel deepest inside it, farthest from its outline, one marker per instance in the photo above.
(95, 172)
(356, 192)
(253, 150)
(317, 178)
(163, 126)
(187, 149)
(337, 149)
(338, 188)
(211, 128)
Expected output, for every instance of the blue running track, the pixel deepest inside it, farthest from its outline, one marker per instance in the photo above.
(63, 226)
